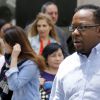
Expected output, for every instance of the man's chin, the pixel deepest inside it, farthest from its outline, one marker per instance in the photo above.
(83, 52)
(79, 50)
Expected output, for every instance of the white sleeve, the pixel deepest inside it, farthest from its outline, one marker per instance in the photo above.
(57, 92)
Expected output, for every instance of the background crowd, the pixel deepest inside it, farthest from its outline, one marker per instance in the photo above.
(39, 62)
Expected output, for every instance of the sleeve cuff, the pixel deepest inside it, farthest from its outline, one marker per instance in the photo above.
(11, 71)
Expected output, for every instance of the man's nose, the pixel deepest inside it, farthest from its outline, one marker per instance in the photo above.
(75, 32)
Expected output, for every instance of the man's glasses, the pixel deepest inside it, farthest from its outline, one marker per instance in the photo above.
(82, 27)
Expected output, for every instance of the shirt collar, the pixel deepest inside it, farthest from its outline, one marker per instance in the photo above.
(96, 49)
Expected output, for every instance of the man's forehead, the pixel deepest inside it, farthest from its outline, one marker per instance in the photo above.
(83, 15)
(52, 8)
(79, 20)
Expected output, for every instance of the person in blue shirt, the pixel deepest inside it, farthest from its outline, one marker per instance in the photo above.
(78, 76)
(22, 65)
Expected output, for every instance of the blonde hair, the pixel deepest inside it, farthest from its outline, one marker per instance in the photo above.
(33, 27)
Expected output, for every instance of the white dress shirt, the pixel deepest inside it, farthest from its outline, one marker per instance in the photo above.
(78, 77)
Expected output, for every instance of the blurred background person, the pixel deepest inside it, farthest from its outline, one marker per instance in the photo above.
(5, 18)
(5, 15)
(53, 55)
(42, 32)
(5, 22)
(51, 9)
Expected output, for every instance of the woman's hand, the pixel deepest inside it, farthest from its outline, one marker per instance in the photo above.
(14, 56)
(42, 81)
(16, 51)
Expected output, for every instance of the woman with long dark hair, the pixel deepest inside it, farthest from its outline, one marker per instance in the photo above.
(22, 65)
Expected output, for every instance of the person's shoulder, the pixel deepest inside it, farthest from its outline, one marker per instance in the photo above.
(52, 40)
(59, 29)
(28, 27)
(34, 39)
(68, 64)
(28, 63)
(70, 59)
(61, 33)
